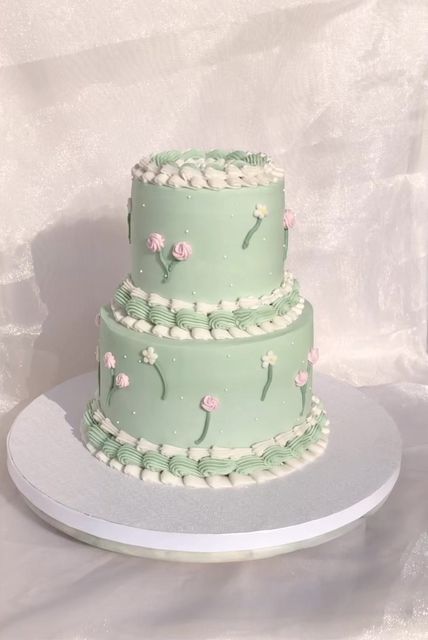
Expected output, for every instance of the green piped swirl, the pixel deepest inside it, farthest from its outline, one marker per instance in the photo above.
(162, 315)
(221, 320)
(122, 296)
(140, 309)
(181, 465)
(187, 319)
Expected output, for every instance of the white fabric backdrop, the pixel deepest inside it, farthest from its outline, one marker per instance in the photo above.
(335, 91)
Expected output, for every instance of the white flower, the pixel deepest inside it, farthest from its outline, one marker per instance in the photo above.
(261, 211)
(149, 355)
(269, 359)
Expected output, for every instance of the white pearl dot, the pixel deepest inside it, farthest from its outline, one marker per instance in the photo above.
(144, 204)
(175, 432)
(186, 231)
(283, 190)
(292, 342)
(193, 293)
(117, 421)
(230, 284)
(124, 355)
(283, 246)
(141, 271)
(228, 355)
(226, 389)
(173, 359)
(221, 431)
(224, 257)
(140, 361)
(284, 402)
(264, 238)
(181, 397)
(134, 413)
(188, 197)
(256, 419)
(232, 215)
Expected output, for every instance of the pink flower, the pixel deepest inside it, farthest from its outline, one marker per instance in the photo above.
(97, 320)
(109, 360)
(314, 355)
(210, 403)
(182, 251)
(301, 378)
(122, 380)
(155, 242)
(289, 219)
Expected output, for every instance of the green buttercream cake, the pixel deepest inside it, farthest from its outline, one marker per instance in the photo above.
(206, 350)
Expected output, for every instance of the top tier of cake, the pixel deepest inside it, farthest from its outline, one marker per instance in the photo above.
(207, 226)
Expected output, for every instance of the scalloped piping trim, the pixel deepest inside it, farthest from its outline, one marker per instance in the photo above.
(316, 422)
(212, 170)
(178, 333)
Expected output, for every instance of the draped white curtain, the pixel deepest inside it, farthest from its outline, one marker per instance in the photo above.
(334, 90)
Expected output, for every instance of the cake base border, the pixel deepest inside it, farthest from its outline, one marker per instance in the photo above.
(355, 486)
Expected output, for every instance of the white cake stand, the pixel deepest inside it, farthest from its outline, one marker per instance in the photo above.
(84, 498)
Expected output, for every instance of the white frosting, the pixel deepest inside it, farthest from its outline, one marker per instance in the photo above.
(203, 172)
(177, 333)
(197, 453)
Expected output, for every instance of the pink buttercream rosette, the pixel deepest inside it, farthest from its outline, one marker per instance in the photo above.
(109, 360)
(300, 381)
(155, 242)
(314, 355)
(289, 219)
(122, 381)
(208, 404)
(182, 251)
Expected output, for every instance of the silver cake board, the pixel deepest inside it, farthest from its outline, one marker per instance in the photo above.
(74, 492)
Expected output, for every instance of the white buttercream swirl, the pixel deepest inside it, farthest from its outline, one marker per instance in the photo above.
(218, 333)
(214, 169)
(217, 455)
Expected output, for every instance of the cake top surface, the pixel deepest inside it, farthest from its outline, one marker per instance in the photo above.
(214, 169)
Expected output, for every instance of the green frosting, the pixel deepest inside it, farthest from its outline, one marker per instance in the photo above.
(137, 308)
(161, 315)
(227, 369)
(214, 223)
(140, 309)
(181, 465)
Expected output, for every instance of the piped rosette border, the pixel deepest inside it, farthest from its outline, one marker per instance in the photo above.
(216, 169)
(215, 467)
(180, 320)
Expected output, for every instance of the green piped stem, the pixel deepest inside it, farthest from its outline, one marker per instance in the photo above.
(285, 243)
(110, 393)
(164, 265)
(99, 377)
(129, 227)
(268, 382)
(172, 264)
(162, 379)
(251, 232)
(303, 392)
(205, 430)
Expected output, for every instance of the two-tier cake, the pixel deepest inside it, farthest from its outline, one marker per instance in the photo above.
(206, 351)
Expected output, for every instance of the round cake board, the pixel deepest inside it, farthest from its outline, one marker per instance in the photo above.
(74, 492)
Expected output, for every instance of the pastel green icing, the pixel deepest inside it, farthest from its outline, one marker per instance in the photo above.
(227, 369)
(122, 296)
(187, 319)
(161, 315)
(138, 308)
(181, 465)
(214, 223)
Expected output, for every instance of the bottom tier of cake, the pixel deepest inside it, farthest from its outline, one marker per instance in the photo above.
(216, 467)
